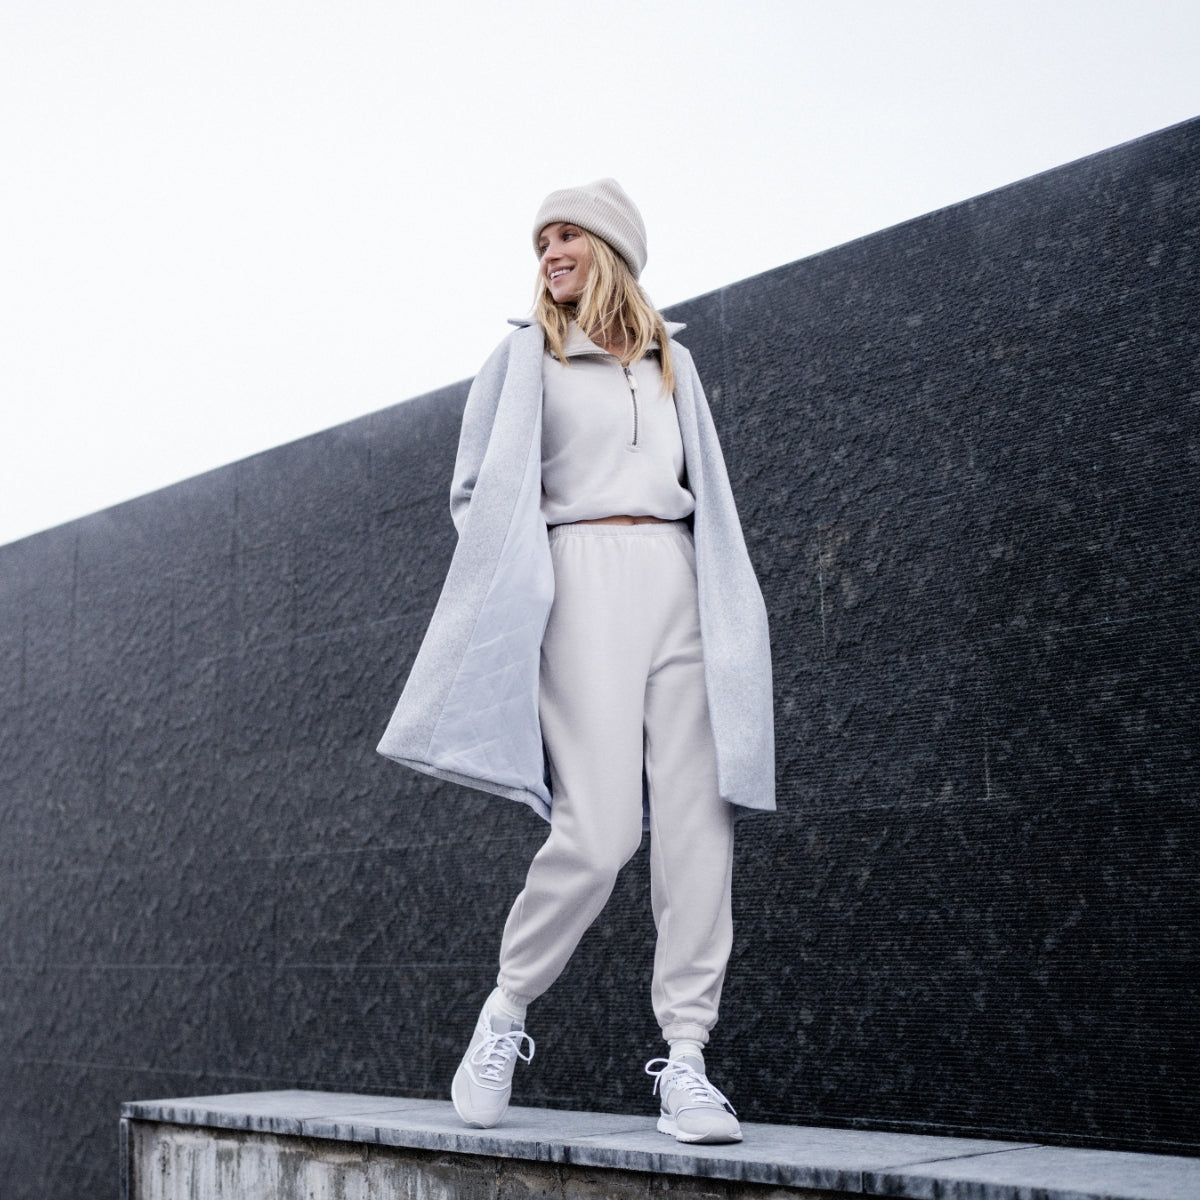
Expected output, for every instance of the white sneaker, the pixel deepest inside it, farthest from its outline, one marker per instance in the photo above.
(692, 1109)
(483, 1082)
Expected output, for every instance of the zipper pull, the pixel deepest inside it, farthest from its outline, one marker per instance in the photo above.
(629, 378)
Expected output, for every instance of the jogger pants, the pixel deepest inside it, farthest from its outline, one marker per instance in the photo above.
(622, 685)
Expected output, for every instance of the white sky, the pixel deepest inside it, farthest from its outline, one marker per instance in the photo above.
(224, 225)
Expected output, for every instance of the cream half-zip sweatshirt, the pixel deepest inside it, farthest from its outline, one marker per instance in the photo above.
(610, 438)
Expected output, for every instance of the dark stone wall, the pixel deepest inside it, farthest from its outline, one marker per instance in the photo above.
(965, 451)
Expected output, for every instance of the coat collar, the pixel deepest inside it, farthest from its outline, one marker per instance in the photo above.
(672, 327)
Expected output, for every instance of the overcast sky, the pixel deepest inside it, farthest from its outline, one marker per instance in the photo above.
(229, 224)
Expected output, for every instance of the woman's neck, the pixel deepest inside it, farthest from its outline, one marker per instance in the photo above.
(614, 340)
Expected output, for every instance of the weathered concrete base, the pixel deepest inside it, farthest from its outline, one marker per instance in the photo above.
(175, 1162)
(298, 1145)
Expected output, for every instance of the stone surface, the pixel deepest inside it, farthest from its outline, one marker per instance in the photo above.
(1037, 1173)
(965, 453)
(172, 1163)
(330, 1137)
(781, 1155)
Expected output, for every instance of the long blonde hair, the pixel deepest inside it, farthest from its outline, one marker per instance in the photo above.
(612, 303)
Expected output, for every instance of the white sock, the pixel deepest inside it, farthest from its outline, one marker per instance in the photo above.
(500, 1004)
(687, 1048)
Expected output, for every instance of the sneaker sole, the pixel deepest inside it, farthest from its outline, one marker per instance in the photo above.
(669, 1126)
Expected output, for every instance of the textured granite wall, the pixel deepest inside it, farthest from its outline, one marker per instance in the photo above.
(965, 451)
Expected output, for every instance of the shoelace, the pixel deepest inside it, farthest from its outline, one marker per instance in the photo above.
(680, 1075)
(497, 1050)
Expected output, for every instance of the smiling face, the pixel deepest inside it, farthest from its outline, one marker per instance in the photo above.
(566, 259)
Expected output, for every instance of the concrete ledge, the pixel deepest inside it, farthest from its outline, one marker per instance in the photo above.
(299, 1143)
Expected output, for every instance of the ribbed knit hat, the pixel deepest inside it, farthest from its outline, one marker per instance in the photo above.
(601, 208)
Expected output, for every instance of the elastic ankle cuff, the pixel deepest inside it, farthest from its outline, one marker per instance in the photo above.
(692, 1033)
(510, 1005)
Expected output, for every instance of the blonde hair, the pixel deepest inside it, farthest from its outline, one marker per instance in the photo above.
(612, 303)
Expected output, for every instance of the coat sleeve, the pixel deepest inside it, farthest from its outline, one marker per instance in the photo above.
(478, 418)
(733, 616)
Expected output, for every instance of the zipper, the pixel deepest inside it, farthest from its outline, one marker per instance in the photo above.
(633, 398)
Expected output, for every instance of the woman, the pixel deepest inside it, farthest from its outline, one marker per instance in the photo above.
(600, 638)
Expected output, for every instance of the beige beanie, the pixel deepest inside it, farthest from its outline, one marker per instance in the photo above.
(601, 208)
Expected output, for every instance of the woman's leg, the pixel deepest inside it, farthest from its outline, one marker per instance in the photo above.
(595, 655)
(691, 859)
(591, 714)
(691, 827)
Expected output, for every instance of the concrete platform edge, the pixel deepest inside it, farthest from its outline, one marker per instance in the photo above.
(859, 1162)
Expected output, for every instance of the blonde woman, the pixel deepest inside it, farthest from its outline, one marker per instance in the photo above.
(600, 649)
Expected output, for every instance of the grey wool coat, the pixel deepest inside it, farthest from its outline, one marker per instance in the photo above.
(469, 711)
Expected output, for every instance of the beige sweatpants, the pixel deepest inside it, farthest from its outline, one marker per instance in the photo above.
(622, 684)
